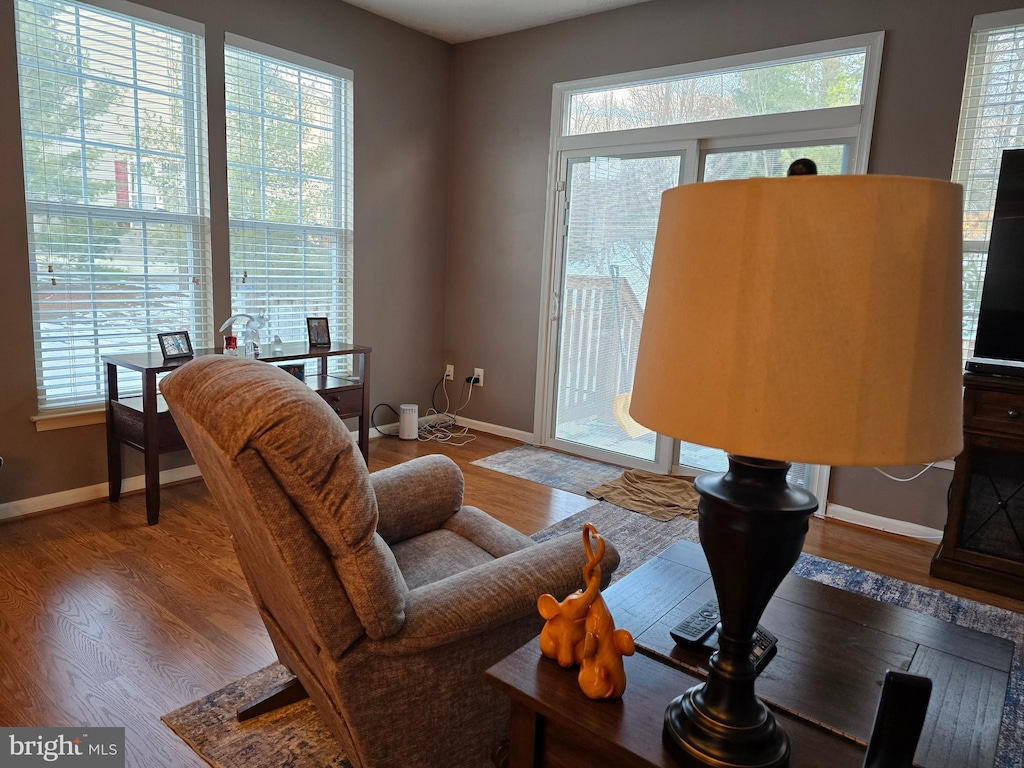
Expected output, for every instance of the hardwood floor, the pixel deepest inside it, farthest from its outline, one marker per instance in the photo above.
(107, 621)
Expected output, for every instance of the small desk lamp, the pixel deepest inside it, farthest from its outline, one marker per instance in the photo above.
(809, 319)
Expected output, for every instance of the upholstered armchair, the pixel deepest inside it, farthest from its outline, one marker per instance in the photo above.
(382, 593)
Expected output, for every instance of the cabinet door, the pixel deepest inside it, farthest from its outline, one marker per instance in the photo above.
(983, 544)
(992, 518)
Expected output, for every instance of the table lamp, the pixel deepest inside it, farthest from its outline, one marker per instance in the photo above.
(807, 319)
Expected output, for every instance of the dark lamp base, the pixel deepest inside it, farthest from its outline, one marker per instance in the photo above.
(689, 732)
(752, 526)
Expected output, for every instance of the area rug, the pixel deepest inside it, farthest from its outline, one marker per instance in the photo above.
(637, 537)
(660, 496)
(558, 470)
(295, 736)
(291, 737)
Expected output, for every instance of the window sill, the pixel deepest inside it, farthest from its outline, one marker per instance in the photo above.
(67, 420)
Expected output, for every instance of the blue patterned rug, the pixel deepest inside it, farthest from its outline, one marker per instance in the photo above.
(558, 470)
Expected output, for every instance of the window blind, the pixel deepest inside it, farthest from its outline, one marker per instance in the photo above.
(289, 133)
(114, 146)
(991, 114)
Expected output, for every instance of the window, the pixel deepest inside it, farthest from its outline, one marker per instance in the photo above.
(114, 143)
(773, 161)
(800, 84)
(618, 142)
(991, 115)
(289, 188)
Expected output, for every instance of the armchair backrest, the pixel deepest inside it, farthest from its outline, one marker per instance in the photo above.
(297, 499)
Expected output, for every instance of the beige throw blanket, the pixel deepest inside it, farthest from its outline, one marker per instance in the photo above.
(659, 496)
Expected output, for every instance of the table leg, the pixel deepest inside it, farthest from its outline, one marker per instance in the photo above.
(151, 452)
(113, 442)
(524, 739)
(364, 419)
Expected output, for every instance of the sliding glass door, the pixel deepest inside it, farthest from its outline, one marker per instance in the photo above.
(608, 225)
(605, 239)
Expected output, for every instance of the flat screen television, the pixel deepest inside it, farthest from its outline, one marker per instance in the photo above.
(999, 348)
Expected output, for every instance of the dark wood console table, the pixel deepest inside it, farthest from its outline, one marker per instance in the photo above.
(834, 649)
(983, 542)
(144, 423)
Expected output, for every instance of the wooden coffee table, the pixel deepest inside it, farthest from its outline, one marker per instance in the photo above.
(834, 649)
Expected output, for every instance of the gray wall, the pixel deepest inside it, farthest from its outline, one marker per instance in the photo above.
(401, 159)
(501, 125)
(921, 501)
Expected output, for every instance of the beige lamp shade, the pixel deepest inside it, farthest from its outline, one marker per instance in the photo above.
(807, 319)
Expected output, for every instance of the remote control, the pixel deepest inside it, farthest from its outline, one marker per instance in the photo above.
(693, 626)
(765, 647)
(698, 624)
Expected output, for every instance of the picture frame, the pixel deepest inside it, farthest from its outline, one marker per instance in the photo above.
(298, 370)
(319, 332)
(175, 345)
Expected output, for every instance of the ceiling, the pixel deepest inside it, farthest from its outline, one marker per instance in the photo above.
(459, 21)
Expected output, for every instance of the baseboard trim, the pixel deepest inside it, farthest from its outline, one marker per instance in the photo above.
(21, 507)
(73, 496)
(494, 429)
(376, 432)
(887, 524)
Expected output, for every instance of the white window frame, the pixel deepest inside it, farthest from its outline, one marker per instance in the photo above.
(850, 124)
(341, 325)
(89, 410)
(969, 120)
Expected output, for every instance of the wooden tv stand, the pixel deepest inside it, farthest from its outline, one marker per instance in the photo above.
(834, 649)
(983, 541)
(144, 423)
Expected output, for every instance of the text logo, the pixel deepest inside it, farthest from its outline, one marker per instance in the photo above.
(70, 747)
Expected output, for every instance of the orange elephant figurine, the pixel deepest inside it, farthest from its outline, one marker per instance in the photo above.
(580, 630)
(565, 629)
(602, 675)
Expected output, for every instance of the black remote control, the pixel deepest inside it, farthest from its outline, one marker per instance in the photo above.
(698, 624)
(697, 628)
(765, 647)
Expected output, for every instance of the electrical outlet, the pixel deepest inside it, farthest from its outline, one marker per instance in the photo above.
(449, 372)
(478, 374)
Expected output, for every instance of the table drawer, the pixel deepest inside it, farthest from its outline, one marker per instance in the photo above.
(995, 411)
(345, 401)
(129, 426)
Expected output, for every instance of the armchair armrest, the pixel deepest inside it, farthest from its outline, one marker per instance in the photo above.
(492, 594)
(416, 496)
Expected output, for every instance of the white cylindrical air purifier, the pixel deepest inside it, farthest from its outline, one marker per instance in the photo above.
(408, 421)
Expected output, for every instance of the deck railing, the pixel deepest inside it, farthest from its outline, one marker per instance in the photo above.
(601, 321)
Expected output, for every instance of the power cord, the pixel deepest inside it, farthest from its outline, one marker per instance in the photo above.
(442, 429)
(440, 424)
(374, 424)
(904, 479)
